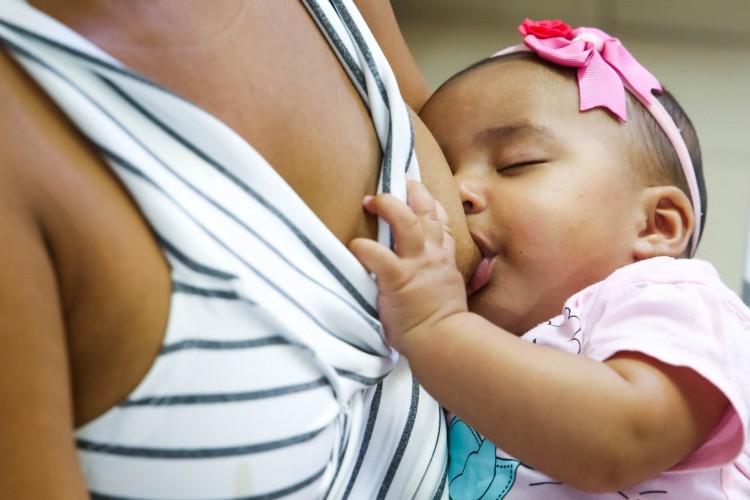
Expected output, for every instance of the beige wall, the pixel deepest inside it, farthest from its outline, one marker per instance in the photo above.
(700, 49)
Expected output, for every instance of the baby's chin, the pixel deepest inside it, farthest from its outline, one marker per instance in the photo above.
(518, 328)
(507, 320)
(510, 318)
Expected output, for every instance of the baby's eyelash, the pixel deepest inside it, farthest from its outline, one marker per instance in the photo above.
(519, 164)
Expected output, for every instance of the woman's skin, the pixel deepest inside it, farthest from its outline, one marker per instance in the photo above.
(86, 287)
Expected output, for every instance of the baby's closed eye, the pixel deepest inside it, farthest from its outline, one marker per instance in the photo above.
(516, 168)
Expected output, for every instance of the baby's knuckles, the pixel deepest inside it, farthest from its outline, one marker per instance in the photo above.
(435, 293)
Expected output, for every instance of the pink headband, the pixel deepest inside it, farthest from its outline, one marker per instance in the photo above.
(605, 70)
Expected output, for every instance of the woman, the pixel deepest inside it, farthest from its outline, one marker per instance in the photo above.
(196, 325)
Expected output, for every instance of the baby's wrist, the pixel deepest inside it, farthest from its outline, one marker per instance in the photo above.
(420, 338)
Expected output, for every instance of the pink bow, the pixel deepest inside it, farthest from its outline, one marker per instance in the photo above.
(605, 67)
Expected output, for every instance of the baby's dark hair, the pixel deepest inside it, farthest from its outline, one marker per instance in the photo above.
(657, 156)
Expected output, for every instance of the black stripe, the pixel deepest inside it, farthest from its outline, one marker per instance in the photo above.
(360, 378)
(351, 26)
(199, 399)
(374, 406)
(100, 496)
(222, 345)
(193, 453)
(370, 60)
(264, 496)
(345, 433)
(443, 484)
(364, 48)
(387, 173)
(398, 455)
(388, 160)
(438, 442)
(344, 55)
(411, 141)
(175, 252)
(178, 287)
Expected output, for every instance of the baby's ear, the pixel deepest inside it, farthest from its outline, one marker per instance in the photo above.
(669, 223)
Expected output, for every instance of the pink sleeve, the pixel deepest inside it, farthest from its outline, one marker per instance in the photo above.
(684, 325)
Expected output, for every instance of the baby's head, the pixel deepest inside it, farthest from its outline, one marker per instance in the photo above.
(565, 176)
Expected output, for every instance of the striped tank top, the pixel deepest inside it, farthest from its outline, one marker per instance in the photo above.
(274, 380)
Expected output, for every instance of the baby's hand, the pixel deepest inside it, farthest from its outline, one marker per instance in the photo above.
(419, 284)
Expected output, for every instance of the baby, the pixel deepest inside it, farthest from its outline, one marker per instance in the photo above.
(597, 356)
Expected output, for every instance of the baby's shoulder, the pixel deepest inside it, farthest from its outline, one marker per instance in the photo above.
(664, 279)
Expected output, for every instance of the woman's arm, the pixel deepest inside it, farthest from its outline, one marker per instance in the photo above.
(382, 22)
(37, 450)
(595, 426)
(37, 453)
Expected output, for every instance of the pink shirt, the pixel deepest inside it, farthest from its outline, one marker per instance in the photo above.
(679, 312)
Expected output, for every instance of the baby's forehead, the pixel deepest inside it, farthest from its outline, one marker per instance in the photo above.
(499, 94)
(522, 82)
(505, 83)
(500, 78)
(532, 65)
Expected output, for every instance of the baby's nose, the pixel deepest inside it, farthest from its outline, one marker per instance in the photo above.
(471, 195)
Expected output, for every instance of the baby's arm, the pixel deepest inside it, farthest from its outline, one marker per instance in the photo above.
(595, 426)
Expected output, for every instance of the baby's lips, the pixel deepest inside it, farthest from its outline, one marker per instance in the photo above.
(480, 277)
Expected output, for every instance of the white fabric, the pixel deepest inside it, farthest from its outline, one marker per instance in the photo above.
(253, 268)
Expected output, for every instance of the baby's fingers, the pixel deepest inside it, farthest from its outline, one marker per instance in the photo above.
(377, 259)
(427, 211)
(442, 215)
(408, 233)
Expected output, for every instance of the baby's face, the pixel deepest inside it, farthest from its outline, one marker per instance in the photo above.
(546, 189)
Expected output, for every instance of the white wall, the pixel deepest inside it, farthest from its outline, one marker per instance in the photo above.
(699, 49)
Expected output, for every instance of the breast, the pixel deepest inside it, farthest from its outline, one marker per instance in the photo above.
(285, 92)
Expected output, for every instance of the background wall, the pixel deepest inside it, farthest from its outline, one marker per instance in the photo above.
(699, 49)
